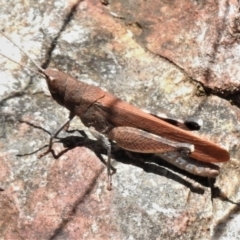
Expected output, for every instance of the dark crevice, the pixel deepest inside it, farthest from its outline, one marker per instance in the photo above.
(15, 94)
(61, 227)
(221, 225)
(229, 95)
(104, 2)
(66, 21)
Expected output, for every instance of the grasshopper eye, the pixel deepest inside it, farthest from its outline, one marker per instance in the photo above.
(52, 83)
(52, 79)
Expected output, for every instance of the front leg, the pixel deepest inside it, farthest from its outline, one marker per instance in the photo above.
(54, 135)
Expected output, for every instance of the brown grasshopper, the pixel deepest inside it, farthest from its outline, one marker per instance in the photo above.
(133, 129)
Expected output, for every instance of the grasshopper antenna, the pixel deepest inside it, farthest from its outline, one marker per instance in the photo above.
(32, 70)
(40, 69)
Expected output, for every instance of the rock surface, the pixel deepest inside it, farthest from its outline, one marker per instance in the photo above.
(164, 56)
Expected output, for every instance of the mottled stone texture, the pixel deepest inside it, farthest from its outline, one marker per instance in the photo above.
(163, 56)
(199, 37)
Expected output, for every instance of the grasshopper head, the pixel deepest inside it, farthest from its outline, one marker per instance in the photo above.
(56, 81)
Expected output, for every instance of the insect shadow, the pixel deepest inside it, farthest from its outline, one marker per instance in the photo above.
(148, 162)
